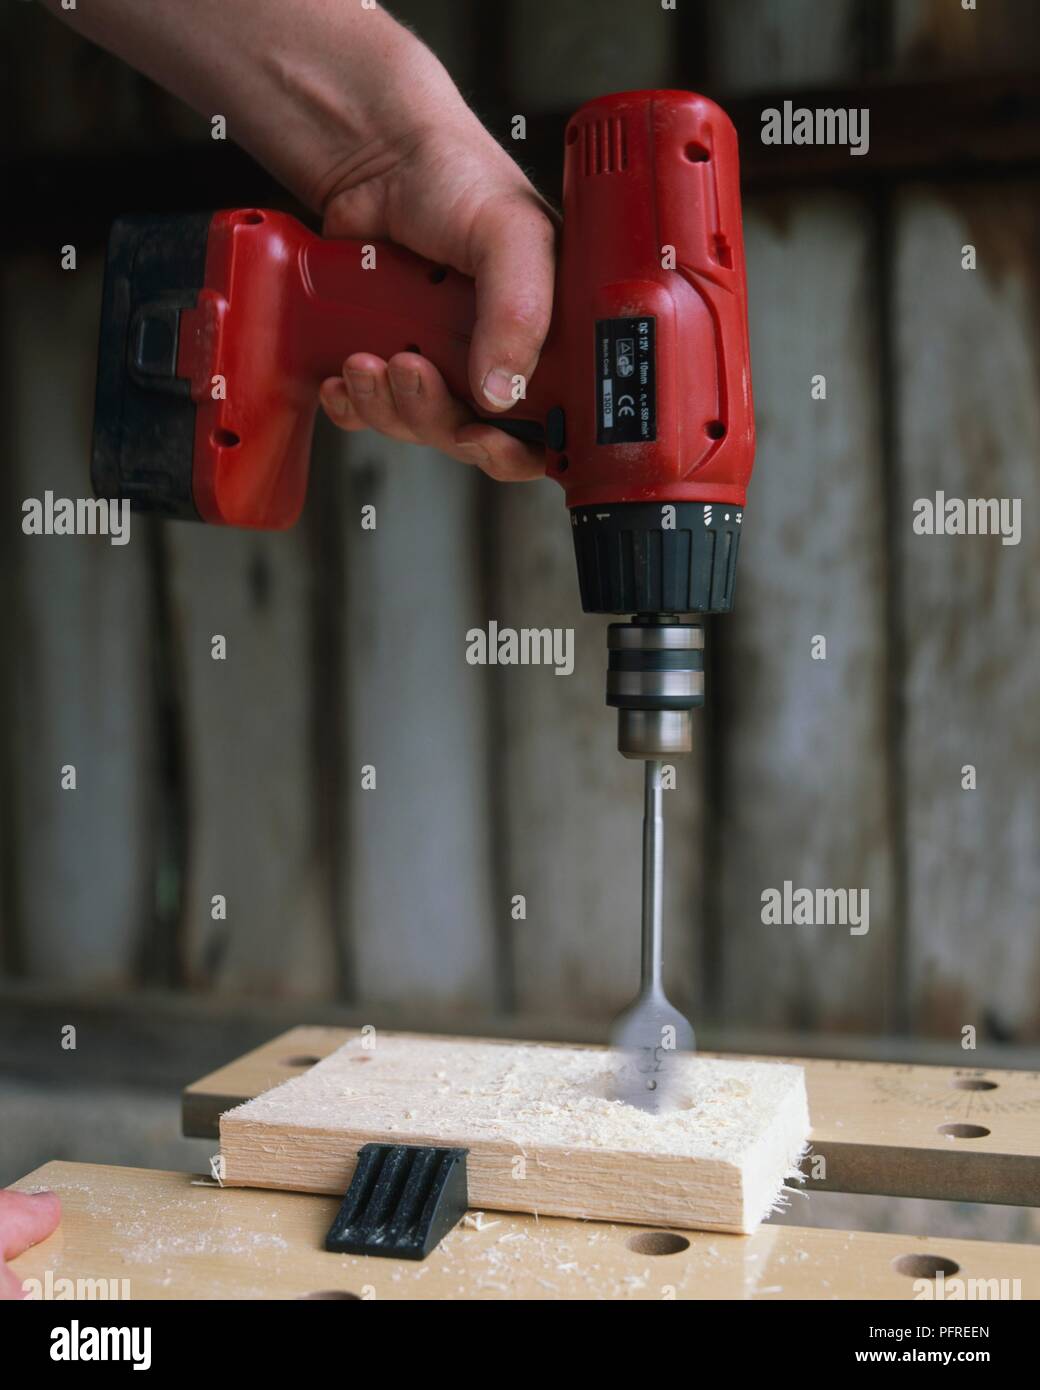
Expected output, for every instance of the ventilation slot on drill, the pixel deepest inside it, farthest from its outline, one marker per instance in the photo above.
(604, 146)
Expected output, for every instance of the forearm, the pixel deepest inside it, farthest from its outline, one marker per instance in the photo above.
(325, 93)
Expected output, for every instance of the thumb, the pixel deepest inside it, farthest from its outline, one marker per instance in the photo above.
(26, 1219)
(512, 257)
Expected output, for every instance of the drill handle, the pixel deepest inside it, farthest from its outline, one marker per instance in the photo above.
(281, 310)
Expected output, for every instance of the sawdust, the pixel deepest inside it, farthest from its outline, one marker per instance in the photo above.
(530, 1096)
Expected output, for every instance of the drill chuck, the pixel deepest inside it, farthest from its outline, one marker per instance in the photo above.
(655, 679)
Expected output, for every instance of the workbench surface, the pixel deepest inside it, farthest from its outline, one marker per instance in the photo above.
(172, 1235)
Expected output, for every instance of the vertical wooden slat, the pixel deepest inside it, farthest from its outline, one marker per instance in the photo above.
(799, 777)
(561, 55)
(765, 44)
(572, 804)
(448, 31)
(79, 659)
(968, 374)
(933, 36)
(250, 796)
(968, 424)
(802, 781)
(417, 857)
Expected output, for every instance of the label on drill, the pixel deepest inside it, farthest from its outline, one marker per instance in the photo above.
(626, 388)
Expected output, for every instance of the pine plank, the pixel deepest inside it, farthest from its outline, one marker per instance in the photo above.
(542, 1128)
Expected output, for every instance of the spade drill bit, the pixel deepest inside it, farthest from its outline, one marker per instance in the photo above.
(651, 1033)
(655, 680)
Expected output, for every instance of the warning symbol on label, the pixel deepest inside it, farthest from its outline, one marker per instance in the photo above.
(624, 356)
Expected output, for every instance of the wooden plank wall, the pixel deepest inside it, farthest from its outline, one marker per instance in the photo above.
(571, 828)
(242, 777)
(798, 787)
(969, 340)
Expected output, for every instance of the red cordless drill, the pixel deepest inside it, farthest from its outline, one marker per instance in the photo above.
(218, 329)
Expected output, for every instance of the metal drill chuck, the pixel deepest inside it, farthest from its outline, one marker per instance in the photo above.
(655, 679)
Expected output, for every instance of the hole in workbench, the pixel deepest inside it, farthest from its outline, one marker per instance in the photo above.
(972, 1083)
(960, 1131)
(300, 1061)
(658, 1243)
(331, 1293)
(924, 1266)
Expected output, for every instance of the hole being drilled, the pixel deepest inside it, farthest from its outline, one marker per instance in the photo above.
(225, 439)
(657, 1243)
(924, 1266)
(300, 1061)
(959, 1131)
(972, 1083)
(331, 1293)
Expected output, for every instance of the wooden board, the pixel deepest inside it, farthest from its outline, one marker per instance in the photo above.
(542, 1126)
(881, 1128)
(968, 363)
(250, 769)
(171, 1235)
(570, 805)
(801, 795)
(756, 44)
(417, 883)
(77, 637)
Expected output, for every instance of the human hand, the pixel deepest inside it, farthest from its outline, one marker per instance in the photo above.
(356, 115)
(439, 184)
(26, 1218)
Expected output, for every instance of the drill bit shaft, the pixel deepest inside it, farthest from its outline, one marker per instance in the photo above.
(653, 878)
(651, 1033)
